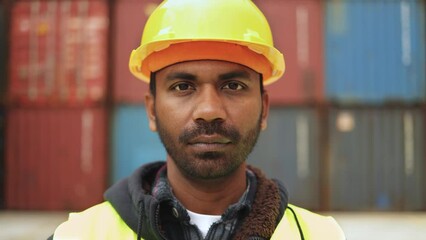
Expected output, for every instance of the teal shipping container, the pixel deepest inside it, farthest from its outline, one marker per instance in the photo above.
(288, 150)
(375, 51)
(133, 143)
(377, 159)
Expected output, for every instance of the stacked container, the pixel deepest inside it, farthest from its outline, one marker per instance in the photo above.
(377, 159)
(3, 79)
(297, 30)
(343, 132)
(289, 149)
(375, 75)
(133, 143)
(345, 129)
(339, 54)
(375, 51)
(56, 131)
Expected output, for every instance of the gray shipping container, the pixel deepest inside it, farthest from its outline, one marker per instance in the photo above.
(377, 159)
(288, 151)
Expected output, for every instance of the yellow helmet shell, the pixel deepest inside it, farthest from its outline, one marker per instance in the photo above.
(234, 21)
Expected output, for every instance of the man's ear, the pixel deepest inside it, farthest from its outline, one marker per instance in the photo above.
(265, 110)
(150, 111)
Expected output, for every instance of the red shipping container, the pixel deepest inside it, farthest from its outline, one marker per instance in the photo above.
(58, 53)
(55, 158)
(297, 29)
(128, 23)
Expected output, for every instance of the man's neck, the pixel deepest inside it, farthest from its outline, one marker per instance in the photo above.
(211, 197)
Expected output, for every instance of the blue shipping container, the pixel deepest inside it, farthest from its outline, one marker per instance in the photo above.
(375, 51)
(133, 143)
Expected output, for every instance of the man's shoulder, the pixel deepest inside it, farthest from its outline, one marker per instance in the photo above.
(310, 225)
(89, 217)
(305, 213)
(82, 224)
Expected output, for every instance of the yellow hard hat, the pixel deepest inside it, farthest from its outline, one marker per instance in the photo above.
(229, 30)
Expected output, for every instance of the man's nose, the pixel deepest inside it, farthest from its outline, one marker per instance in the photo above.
(209, 105)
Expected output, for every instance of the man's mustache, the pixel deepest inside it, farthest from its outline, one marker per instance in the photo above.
(210, 128)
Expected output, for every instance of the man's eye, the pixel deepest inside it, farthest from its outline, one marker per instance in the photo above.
(182, 87)
(233, 86)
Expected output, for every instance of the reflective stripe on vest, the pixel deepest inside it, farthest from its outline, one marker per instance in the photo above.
(103, 222)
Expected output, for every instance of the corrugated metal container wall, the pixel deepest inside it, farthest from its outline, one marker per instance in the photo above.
(377, 159)
(298, 33)
(375, 51)
(3, 50)
(288, 150)
(3, 63)
(55, 158)
(129, 19)
(133, 143)
(58, 52)
(2, 162)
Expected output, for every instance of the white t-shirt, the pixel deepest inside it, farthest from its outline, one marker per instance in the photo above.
(203, 221)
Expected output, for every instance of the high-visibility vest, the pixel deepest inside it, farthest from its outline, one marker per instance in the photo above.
(103, 222)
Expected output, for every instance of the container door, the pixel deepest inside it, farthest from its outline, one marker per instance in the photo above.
(288, 151)
(128, 23)
(351, 168)
(298, 33)
(55, 158)
(398, 159)
(58, 53)
(375, 51)
(377, 159)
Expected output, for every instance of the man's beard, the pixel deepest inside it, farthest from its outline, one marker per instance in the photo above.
(209, 164)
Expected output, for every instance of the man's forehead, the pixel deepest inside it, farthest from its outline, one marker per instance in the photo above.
(220, 69)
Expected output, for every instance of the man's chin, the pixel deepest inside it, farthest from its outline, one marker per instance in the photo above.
(210, 155)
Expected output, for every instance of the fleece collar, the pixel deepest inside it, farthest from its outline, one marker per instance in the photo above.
(131, 197)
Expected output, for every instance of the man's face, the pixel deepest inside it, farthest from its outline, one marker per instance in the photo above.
(208, 115)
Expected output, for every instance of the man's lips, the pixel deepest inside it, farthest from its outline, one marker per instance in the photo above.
(209, 139)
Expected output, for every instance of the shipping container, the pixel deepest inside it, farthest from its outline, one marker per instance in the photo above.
(288, 150)
(133, 143)
(300, 41)
(297, 28)
(3, 76)
(2, 162)
(375, 51)
(377, 159)
(58, 53)
(55, 158)
(3, 50)
(128, 23)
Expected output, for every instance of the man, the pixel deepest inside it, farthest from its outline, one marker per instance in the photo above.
(206, 62)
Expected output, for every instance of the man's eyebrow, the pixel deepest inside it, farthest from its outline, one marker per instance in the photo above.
(181, 75)
(234, 74)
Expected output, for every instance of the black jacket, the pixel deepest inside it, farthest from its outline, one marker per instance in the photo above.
(150, 218)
